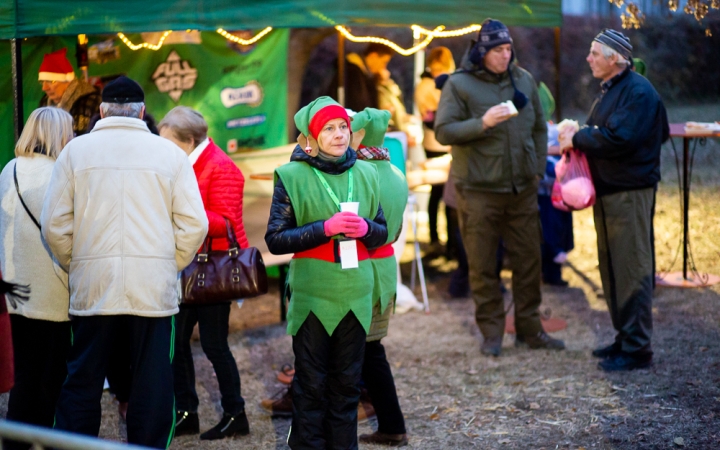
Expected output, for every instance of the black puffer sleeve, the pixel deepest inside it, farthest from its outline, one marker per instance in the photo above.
(377, 231)
(283, 235)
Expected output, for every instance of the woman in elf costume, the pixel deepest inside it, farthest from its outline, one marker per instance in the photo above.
(376, 371)
(331, 276)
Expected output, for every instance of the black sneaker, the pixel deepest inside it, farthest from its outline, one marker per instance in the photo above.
(607, 352)
(228, 426)
(491, 346)
(186, 423)
(622, 362)
(390, 440)
(541, 340)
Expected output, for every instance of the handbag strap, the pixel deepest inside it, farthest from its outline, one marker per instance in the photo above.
(17, 188)
(231, 237)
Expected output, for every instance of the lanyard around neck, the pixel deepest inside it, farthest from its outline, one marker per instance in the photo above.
(331, 192)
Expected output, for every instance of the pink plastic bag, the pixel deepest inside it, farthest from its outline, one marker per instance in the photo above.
(573, 189)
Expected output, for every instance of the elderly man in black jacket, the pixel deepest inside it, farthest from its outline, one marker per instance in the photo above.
(627, 125)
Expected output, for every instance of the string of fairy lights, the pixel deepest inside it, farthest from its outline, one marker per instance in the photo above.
(631, 17)
(418, 32)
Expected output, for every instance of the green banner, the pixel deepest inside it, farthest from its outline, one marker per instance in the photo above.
(240, 90)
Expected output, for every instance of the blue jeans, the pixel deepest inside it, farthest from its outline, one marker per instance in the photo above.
(213, 323)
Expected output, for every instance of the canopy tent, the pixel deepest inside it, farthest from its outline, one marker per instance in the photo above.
(35, 18)
(26, 18)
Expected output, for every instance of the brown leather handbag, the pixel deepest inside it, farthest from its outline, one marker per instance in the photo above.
(218, 276)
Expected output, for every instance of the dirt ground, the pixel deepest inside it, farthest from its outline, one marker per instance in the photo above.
(454, 398)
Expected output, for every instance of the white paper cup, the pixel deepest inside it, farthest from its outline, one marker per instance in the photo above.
(352, 207)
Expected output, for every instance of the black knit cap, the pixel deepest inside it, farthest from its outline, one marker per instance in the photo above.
(122, 90)
(616, 41)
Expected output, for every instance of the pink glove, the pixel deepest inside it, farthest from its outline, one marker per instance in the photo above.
(343, 223)
(361, 230)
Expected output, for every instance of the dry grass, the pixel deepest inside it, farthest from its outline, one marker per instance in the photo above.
(454, 398)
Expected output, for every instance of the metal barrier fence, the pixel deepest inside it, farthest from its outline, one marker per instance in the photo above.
(43, 438)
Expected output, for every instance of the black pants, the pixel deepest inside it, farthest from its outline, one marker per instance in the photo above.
(436, 194)
(151, 416)
(380, 385)
(41, 348)
(119, 372)
(213, 323)
(325, 386)
(557, 234)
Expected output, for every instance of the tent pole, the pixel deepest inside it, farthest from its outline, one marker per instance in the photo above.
(81, 54)
(18, 116)
(341, 69)
(558, 98)
(418, 68)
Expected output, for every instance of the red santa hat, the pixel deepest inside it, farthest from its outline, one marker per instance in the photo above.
(56, 67)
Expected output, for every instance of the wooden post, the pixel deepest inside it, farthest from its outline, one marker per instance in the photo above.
(558, 93)
(81, 54)
(18, 116)
(341, 69)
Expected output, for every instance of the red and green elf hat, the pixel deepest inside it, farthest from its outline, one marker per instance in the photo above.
(310, 119)
(375, 123)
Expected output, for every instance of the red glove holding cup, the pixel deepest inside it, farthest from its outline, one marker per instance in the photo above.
(347, 223)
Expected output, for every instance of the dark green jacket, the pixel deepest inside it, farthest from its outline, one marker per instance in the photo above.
(505, 158)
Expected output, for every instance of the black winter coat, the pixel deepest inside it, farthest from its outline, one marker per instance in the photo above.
(625, 130)
(285, 236)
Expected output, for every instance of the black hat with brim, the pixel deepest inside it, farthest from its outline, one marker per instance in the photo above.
(123, 90)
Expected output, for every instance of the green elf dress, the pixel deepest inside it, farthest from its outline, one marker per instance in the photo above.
(393, 198)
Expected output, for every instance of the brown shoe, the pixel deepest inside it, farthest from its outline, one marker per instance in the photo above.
(366, 411)
(286, 374)
(391, 440)
(122, 410)
(541, 340)
(491, 346)
(279, 407)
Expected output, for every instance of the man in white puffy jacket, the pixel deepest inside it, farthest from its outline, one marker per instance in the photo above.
(123, 214)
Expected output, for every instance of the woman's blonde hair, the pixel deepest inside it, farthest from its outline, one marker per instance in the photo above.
(186, 124)
(442, 56)
(47, 131)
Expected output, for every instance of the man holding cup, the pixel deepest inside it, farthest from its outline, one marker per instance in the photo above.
(490, 113)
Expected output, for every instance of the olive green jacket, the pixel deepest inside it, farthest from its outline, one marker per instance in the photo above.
(505, 158)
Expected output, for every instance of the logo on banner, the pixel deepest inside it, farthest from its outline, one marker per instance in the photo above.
(243, 122)
(251, 94)
(174, 76)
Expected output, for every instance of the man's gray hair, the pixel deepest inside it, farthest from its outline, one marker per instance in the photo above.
(122, 109)
(609, 52)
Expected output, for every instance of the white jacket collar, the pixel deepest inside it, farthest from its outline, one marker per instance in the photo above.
(195, 155)
(120, 122)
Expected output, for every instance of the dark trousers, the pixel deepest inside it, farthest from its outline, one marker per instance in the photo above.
(459, 280)
(119, 372)
(436, 194)
(41, 348)
(557, 233)
(380, 385)
(626, 255)
(484, 218)
(326, 384)
(151, 416)
(213, 323)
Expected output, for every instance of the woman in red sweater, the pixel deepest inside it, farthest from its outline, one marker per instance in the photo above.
(221, 186)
